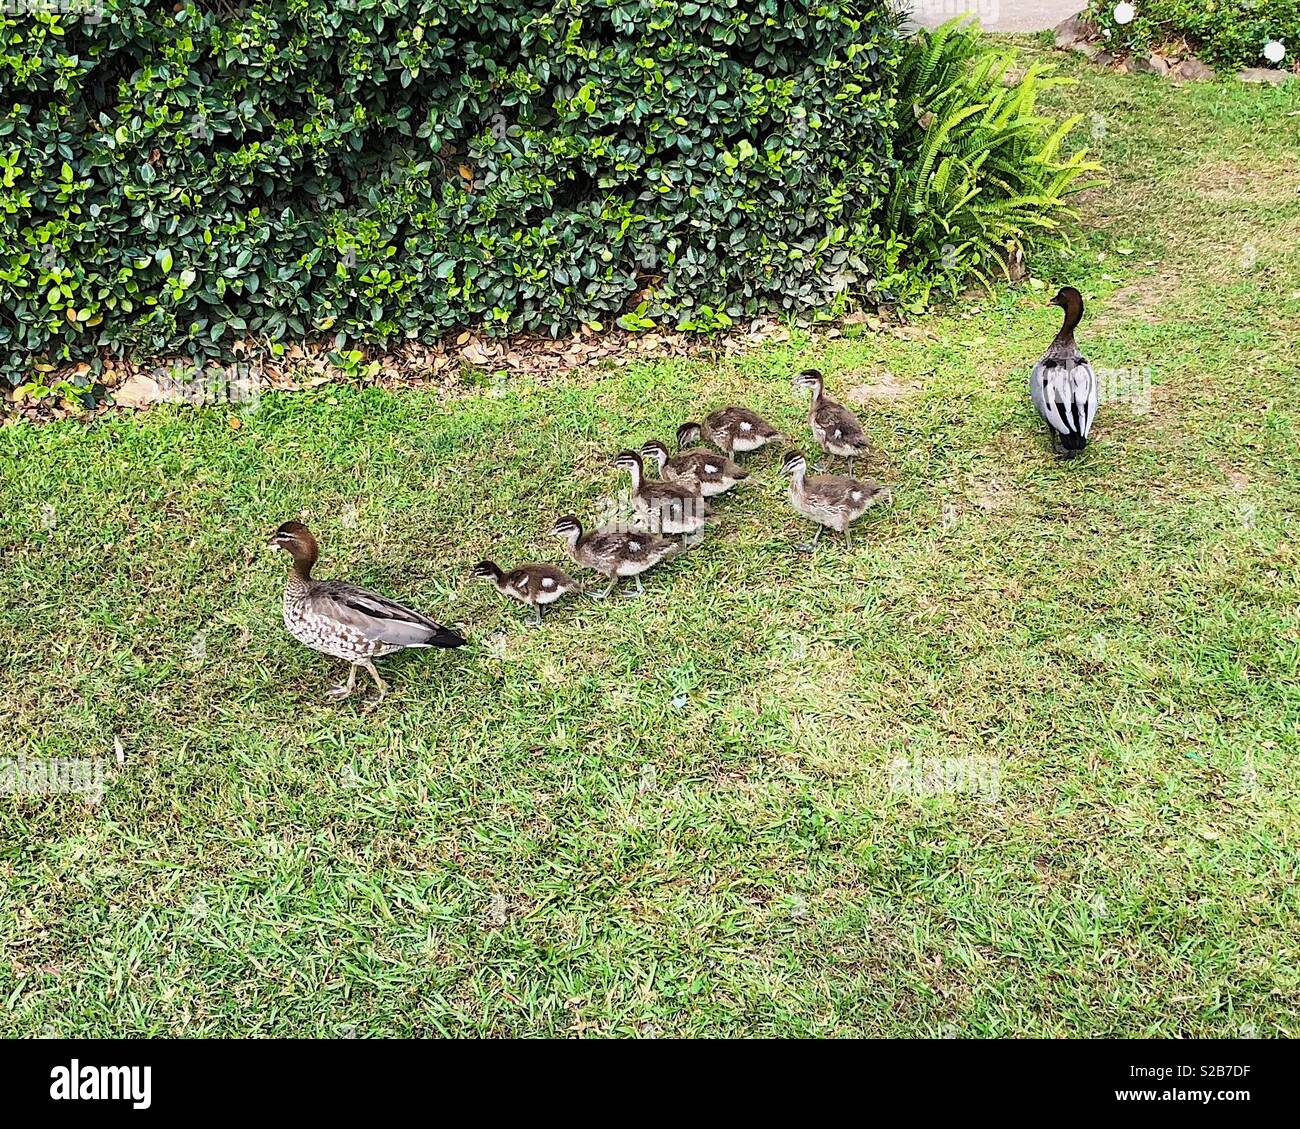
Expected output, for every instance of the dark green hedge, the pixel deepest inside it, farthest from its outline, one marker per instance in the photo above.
(181, 177)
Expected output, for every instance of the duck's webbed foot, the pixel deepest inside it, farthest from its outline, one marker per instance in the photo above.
(344, 689)
(606, 593)
(383, 686)
(811, 546)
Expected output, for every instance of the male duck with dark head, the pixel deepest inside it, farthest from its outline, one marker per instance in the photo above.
(1063, 385)
(836, 429)
(347, 622)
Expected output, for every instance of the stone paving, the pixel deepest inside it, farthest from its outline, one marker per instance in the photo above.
(998, 15)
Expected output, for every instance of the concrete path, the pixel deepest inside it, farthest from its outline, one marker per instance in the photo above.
(997, 15)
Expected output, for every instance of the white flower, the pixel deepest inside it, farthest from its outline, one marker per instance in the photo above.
(1124, 12)
(1274, 51)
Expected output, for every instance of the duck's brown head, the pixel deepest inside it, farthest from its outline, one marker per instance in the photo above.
(1067, 298)
(653, 449)
(568, 527)
(485, 570)
(689, 432)
(1071, 301)
(809, 378)
(794, 464)
(296, 540)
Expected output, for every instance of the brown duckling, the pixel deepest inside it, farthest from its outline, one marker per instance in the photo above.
(715, 474)
(666, 507)
(536, 585)
(347, 622)
(736, 430)
(615, 553)
(833, 501)
(836, 429)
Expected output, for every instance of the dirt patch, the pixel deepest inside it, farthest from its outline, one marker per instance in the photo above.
(1141, 301)
(883, 385)
(991, 495)
(1231, 183)
(1236, 479)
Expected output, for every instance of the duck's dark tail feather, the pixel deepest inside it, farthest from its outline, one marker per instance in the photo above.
(1073, 444)
(444, 637)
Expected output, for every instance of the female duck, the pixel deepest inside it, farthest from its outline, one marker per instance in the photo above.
(836, 429)
(536, 585)
(715, 474)
(833, 501)
(666, 507)
(1063, 385)
(614, 553)
(345, 621)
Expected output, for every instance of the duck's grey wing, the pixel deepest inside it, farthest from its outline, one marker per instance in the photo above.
(743, 421)
(521, 581)
(1086, 391)
(758, 424)
(839, 490)
(539, 574)
(533, 580)
(1065, 394)
(655, 549)
(840, 424)
(669, 494)
(611, 546)
(708, 467)
(377, 618)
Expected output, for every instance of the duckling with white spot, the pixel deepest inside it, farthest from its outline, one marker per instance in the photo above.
(833, 501)
(837, 430)
(536, 585)
(673, 508)
(714, 473)
(615, 553)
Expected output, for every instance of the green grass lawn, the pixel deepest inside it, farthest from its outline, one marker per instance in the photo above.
(681, 814)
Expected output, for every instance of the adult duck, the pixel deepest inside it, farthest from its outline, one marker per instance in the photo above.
(1063, 385)
(347, 622)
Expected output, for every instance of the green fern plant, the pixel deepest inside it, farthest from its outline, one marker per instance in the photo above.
(982, 179)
